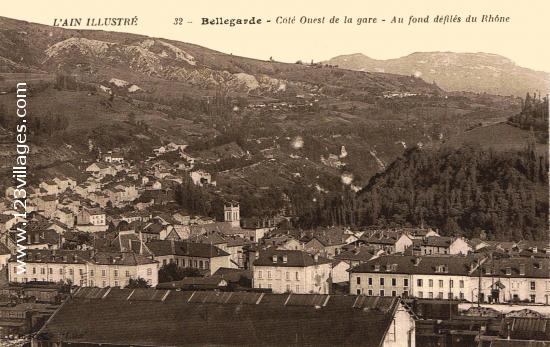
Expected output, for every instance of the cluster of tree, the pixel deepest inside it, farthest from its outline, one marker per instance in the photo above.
(137, 283)
(172, 272)
(42, 125)
(533, 115)
(464, 191)
(68, 81)
(197, 200)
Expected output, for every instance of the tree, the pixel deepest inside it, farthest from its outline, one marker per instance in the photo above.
(172, 272)
(137, 283)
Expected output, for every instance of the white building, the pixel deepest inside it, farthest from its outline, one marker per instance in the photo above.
(84, 268)
(292, 271)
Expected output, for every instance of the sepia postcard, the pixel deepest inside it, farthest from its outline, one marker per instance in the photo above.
(287, 173)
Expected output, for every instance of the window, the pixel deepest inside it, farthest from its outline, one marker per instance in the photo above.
(128, 273)
(80, 272)
(104, 284)
(532, 298)
(297, 288)
(431, 295)
(451, 283)
(358, 280)
(370, 292)
(405, 282)
(91, 283)
(297, 276)
(461, 283)
(533, 285)
(440, 283)
(103, 273)
(288, 276)
(405, 293)
(269, 285)
(288, 287)
(61, 271)
(149, 271)
(440, 295)
(461, 296)
(260, 274)
(381, 281)
(420, 295)
(42, 271)
(33, 270)
(419, 282)
(358, 291)
(71, 272)
(370, 281)
(116, 283)
(50, 271)
(393, 293)
(92, 273)
(430, 283)
(269, 274)
(450, 296)
(382, 292)
(200, 264)
(116, 273)
(394, 282)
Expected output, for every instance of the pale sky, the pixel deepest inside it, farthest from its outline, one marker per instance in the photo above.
(524, 39)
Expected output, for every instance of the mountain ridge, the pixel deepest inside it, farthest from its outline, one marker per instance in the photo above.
(475, 72)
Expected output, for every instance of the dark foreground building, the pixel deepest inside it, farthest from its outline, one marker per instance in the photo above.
(147, 317)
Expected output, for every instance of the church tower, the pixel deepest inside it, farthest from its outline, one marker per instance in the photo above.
(232, 214)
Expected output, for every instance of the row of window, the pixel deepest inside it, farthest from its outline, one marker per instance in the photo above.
(405, 294)
(80, 271)
(197, 264)
(287, 275)
(288, 287)
(420, 283)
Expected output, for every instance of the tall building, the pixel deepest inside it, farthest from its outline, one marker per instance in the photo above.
(232, 213)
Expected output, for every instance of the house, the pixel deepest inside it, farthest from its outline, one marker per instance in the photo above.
(65, 216)
(512, 279)
(385, 240)
(443, 277)
(115, 156)
(356, 255)
(100, 170)
(441, 245)
(46, 205)
(84, 268)
(50, 187)
(200, 256)
(156, 317)
(292, 271)
(64, 183)
(201, 178)
(93, 216)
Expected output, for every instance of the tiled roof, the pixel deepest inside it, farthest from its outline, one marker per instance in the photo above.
(184, 248)
(293, 258)
(174, 318)
(403, 264)
(532, 267)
